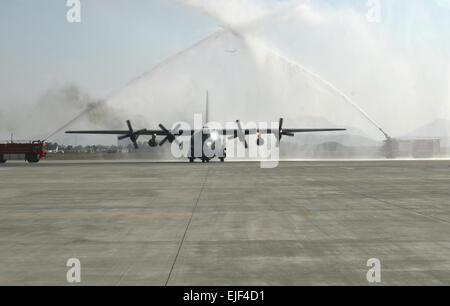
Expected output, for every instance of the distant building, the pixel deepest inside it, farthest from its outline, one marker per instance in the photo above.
(419, 148)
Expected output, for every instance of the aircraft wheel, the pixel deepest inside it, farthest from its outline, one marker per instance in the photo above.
(222, 159)
(2, 161)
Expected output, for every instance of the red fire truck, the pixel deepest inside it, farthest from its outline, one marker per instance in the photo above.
(32, 151)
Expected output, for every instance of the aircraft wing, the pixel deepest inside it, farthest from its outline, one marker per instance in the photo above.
(240, 133)
(270, 131)
(109, 132)
(312, 130)
(280, 132)
(127, 133)
(121, 132)
(134, 135)
(170, 135)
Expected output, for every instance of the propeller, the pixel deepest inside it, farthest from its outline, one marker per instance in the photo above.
(133, 135)
(241, 134)
(282, 133)
(171, 137)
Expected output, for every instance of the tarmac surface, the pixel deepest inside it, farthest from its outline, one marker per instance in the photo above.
(303, 223)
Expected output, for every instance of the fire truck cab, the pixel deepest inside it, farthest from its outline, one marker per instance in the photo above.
(32, 151)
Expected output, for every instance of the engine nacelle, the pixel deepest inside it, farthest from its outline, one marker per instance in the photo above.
(211, 145)
(260, 141)
(152, 142)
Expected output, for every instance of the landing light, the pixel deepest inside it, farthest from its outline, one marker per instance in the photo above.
(214, 135)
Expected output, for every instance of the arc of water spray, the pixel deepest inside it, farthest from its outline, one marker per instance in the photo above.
(84, 112)
(159, 65)
(329, 85)
(239, 34)
(171, 58)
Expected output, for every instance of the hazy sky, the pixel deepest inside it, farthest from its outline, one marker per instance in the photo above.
(118, 40)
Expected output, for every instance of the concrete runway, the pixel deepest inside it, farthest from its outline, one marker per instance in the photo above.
(303, 223)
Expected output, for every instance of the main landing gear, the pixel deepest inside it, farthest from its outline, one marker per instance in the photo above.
(205, 160)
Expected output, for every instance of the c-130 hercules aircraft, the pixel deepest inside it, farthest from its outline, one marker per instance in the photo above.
(205, 135)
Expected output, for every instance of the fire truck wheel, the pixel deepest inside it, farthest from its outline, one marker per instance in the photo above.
(32, 158)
